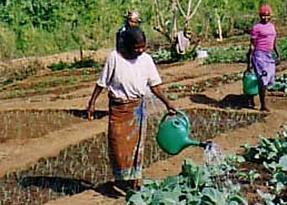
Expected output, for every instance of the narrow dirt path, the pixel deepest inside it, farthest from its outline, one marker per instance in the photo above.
(88, 198)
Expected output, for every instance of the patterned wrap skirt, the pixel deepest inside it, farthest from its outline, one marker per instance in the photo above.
(264, 66)
(126, 137)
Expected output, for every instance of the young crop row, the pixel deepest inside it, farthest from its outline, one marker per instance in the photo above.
(21, 124)
(74, 169)
(86, 165)
(237, 54)
(57, 84)
(234, 54)
(280, 84)
(179, 90)
(207, 123)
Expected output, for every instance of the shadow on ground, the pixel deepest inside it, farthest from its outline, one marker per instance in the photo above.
(83, 113)
(68, 186)
(229, 101)
(108, 189)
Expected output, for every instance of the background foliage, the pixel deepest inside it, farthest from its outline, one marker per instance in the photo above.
(33, 27)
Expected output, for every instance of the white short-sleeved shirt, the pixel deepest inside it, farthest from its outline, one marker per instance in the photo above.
(127, 79)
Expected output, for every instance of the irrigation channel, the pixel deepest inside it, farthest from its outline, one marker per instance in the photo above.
(86, 165)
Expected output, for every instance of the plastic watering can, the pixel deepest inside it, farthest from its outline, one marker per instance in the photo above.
(173, 134)
(250, 83)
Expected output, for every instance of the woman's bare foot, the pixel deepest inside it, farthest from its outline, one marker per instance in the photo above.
(121, 187)
(264, 109)
(251, 106)
(136, 184)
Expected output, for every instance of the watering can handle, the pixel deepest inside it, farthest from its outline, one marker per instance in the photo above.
(264, 73)
(247, 72)
(178, 112)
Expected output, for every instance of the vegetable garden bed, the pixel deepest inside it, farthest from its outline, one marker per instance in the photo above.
(22, 124)
(263, 171)
(180, 90)
(85, 165)
(259, 176)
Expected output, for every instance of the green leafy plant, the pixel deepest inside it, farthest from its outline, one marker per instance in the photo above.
(267, 150)
(85, 63)
(271, 152)
(176, 86)
(235, 54)
(162, 55)
(267, 197)
(192, 186)
(250, 176)
(58, 66)
(212, 196)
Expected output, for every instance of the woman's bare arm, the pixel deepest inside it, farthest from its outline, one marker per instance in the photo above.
(158, 93)
(91, 106)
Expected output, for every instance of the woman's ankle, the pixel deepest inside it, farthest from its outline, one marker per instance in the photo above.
(264, 109)
(136, 184)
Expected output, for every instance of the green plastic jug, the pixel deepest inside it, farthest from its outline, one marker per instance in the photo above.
(250, 83)
(173, 134)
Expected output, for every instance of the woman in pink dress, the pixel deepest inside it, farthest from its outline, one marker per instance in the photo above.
(263, 43)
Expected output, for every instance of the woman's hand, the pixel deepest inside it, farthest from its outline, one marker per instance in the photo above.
(277, 60)
(157, 91)
(171, 109)
(90, 112)
(248, 69)
(91, 105)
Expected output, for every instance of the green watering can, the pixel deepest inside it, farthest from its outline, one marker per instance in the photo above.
(173, 134)
(250, 83)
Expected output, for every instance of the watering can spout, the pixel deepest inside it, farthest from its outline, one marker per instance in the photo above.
(206, 145)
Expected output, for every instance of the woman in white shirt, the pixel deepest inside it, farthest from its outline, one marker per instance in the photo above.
(127, 77)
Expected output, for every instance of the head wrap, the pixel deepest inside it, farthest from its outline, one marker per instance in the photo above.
(265, 9)
(134, 15)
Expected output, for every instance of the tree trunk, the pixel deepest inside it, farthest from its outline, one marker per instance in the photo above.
(174, 20)
(220, 38)
(206, 26)
(81, 54)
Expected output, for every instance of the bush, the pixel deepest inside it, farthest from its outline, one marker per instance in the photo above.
(235, 54)
(7, 43)
(85, 63)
